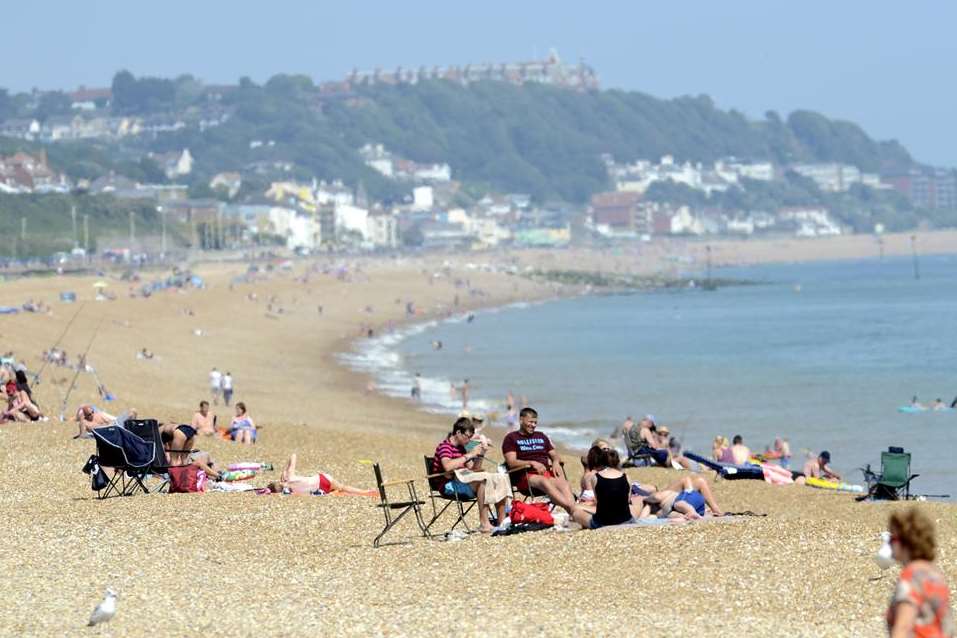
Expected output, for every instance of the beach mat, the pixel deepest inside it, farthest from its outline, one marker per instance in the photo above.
(664, 522)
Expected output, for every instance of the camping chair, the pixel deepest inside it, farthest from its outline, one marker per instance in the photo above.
(128, 455)
(435, 481)
(531, 494)
(148, 430)
(389, 508)
(895, 477)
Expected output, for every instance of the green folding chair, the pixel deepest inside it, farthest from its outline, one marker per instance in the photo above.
(895, 477)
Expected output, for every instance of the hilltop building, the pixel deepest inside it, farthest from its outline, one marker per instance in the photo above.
(551, 71)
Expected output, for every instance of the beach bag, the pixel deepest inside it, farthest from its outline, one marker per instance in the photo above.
(98, 478)
(185, 479)
(531, 513)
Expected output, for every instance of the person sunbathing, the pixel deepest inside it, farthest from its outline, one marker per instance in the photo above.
(611, 490)
(19, 405)
(319, 483)
(205, 462)
(688, 498)
(89, 418)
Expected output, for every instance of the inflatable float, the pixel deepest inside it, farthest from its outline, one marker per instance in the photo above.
(837, 486)
(913, 409)
(238, 475)
(249, 465)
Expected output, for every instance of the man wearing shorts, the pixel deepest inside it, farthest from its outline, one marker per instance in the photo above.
(215, 384)
(529, 450)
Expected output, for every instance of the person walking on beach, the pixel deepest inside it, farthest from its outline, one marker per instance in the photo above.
(215, 384)
(465, 394)
(227, 387)
(417, 387)
(920, 605)
(533, 451)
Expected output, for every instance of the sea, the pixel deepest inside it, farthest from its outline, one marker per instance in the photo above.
(822, 354)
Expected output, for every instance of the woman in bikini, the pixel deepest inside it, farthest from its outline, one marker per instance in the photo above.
(318, 483)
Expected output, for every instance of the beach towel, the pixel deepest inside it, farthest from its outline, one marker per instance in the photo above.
(497, 486)
(776, 475)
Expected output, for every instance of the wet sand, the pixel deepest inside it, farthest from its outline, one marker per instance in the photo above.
(241, 564)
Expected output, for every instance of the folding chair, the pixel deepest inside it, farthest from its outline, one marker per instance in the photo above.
(148, 430)
(895, 477)
(531, 494)
(435, 492)
(128, 455)
(389, 508)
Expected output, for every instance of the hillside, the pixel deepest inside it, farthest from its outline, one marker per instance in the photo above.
(533, 139)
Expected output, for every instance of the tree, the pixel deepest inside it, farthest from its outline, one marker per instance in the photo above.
(7, 107)
(53, 103)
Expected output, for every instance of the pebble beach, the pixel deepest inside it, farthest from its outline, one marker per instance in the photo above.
(244, 564)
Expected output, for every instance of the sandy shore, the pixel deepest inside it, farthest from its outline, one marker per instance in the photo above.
(241, 564)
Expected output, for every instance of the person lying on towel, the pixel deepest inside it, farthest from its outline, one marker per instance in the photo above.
(319, 483)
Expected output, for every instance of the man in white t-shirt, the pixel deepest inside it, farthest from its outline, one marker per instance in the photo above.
(227, 384)
(215, 384)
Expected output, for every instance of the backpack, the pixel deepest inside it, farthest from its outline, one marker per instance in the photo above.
(184, 479)
(531, 513)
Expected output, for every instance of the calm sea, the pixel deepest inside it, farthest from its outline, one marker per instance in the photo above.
(822, 354)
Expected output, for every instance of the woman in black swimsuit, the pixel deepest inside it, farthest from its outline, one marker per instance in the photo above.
(178, 440)
(612, 495)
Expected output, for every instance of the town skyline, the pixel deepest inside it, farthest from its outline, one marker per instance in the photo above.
(881, 69)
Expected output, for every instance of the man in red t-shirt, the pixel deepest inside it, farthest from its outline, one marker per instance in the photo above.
(533, 451)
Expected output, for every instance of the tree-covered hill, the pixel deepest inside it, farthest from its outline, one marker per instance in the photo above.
(536, 139)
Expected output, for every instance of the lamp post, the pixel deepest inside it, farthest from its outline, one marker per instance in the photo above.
(162, 212)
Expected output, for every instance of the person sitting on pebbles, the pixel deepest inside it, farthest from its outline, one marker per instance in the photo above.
(319, 484)
(611, 492)
(88, 418)
(19, 405)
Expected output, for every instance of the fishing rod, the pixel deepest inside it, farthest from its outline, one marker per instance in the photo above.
(36, 377)
(80, 365)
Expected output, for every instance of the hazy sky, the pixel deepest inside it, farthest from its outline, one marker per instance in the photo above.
(889, 66)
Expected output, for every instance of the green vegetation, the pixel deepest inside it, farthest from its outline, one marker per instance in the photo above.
(49, 225)
(533, 139)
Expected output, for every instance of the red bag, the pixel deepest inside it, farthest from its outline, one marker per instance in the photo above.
(186, 478)
(531, 513)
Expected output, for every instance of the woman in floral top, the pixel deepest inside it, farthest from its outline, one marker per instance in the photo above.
(921, 603)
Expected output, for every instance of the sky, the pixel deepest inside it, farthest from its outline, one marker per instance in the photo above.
(889, 66)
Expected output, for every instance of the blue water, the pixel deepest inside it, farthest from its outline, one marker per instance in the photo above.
(822, 354)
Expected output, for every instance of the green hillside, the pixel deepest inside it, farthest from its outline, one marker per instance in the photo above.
(534, 139)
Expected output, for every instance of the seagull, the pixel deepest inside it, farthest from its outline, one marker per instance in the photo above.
(105, 610)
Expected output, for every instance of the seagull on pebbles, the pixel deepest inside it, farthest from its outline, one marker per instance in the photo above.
(105, 610)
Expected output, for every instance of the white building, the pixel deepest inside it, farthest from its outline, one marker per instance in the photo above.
(303, 231)
(432, 173)
(423, 198)
(349, 217)
(383, 229)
